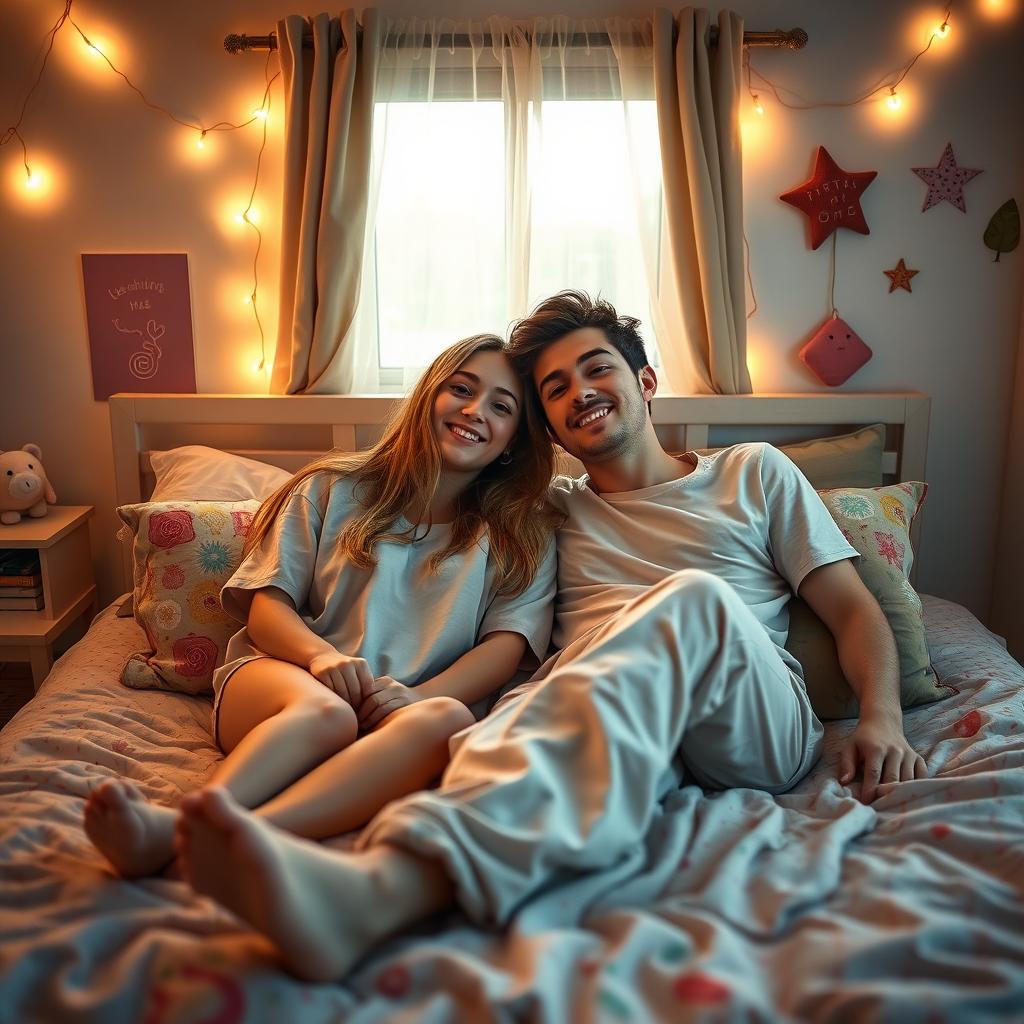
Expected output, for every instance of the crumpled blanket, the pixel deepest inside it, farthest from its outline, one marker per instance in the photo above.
(739, 906)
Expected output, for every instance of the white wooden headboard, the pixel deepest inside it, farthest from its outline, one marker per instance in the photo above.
(290, 430)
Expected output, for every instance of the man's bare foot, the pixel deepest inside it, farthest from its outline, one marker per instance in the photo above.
(136, 836)
(315, 905)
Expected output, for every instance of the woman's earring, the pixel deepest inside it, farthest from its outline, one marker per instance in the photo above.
(506, 457)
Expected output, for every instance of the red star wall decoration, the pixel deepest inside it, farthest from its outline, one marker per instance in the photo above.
(831, 198)
(945, 181)
(899, 276)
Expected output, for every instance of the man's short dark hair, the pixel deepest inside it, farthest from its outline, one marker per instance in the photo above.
(566, 312)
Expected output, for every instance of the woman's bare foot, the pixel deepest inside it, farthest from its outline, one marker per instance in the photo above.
(136, 836)
(320, 908)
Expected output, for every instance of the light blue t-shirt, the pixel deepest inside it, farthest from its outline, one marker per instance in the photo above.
(407, 622)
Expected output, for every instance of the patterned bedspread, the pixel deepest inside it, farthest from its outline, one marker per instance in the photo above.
(744, 907)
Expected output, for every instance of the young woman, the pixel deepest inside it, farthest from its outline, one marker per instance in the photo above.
(383, 593)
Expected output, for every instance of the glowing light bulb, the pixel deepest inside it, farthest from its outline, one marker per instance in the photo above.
(943, 30)
(239, 218)
(248, 299)
(32, 180)
(262, 114)
(757, 104)
(91, 47)
(259, 366)
(893, 102)
(201, 141)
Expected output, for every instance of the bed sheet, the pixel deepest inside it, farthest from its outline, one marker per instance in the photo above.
(740, 906)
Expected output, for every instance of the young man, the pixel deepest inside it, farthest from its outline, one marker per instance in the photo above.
(673, 584)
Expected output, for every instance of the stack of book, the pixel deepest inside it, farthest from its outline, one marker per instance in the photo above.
(21, 582)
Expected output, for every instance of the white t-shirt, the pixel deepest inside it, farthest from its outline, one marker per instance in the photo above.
(407, 622)
(745, 514)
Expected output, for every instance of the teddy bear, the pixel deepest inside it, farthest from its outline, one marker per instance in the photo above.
(23, 484)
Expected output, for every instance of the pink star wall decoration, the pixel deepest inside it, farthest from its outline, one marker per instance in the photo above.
(945, 181)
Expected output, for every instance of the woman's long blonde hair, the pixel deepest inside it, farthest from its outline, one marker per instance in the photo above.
(402, 470)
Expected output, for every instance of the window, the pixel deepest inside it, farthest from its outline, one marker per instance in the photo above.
(451, 201)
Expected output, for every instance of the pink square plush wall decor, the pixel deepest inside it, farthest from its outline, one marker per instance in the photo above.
(835, 352)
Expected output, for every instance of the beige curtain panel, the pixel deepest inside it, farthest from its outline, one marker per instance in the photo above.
(698, 93)
(329, 92)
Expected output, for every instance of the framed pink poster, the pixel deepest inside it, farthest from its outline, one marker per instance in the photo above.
(139, 312)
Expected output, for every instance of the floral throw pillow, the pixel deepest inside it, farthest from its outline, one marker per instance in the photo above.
(183, 552)
(876, 521)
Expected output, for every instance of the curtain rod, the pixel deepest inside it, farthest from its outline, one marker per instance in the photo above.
(794, 39)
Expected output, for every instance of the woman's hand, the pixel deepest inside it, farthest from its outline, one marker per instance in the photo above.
(384, 696)
(350, 678)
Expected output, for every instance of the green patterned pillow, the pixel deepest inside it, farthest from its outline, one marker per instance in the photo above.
(876, 521)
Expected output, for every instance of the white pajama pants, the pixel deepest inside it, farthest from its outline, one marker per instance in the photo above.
(565, 774)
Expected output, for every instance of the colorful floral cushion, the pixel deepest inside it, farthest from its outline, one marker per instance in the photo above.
(184, 552)
(876, 521)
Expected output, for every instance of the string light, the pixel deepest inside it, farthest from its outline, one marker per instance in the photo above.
(757, 104)
(12, 132)
(248, 216)
(887, 81)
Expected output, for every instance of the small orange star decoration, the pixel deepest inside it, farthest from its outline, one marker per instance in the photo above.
(899, 276)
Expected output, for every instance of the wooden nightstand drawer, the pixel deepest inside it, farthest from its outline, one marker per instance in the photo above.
(61, 538)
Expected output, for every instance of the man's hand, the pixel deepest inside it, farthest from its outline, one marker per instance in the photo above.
(350, 678)
(384, 696)
(887, 756)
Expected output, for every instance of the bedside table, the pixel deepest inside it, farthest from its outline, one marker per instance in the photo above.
(69, 589)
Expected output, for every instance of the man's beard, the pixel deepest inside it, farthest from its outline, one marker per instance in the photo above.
(617, 442)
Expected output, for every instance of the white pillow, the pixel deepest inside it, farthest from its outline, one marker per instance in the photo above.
(197, 473)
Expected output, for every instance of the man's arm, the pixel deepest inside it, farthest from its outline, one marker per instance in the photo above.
(870, 662)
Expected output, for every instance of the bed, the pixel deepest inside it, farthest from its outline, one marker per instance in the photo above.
(747, 907)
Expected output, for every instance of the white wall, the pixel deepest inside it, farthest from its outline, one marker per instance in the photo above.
(130, 182)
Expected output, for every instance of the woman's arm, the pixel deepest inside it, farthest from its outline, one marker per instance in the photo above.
(277, 629)
(479, 671)
(476, 674)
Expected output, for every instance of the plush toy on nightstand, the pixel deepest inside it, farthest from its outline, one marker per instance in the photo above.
(23, 484)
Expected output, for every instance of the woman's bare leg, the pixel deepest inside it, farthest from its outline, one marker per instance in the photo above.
(405, 754)
(322, 909)
(276, 722)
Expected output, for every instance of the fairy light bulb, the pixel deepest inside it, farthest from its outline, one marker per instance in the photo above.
(943, 30)
(248, 300)
(32, 180)
(261, 114)
(757, 104)
(893, 102)
(201, 141)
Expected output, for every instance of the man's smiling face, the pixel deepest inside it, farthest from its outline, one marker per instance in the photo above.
(592, 399)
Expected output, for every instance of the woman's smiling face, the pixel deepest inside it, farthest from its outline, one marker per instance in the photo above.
(477, 412)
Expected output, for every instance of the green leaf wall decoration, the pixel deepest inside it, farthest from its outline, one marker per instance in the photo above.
(1003, 231)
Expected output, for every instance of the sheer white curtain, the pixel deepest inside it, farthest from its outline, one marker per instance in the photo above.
(510, 160)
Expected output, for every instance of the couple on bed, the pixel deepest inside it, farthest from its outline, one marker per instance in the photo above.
(388, 593)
